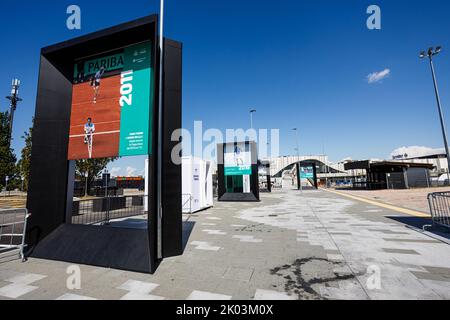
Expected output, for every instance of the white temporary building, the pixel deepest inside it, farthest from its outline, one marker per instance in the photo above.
(197, 184)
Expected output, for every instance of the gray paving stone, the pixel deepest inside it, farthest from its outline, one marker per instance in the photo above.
(431, 276)
(400, 251)
(410, 240)
(241, 274)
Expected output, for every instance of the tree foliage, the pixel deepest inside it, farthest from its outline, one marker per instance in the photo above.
(23, 166)
(7, 157)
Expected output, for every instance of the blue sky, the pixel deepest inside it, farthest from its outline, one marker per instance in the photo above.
(299, 63)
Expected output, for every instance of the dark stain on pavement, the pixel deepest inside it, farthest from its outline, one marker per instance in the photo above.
(300, 281)
(260, 227)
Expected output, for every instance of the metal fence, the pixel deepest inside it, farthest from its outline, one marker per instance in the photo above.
(101, 211)
(363, 185)
(186, 203)
(440, 208)
(98, 192)
(12, 193)
(13, 225)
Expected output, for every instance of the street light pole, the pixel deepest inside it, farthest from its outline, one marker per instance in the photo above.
(106, 175)
(86, 176)
(299, 179)
(14, 98)
(326, 165)
(432, 52)
(252, 111)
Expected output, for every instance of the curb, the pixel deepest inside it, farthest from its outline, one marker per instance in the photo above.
(382, 205)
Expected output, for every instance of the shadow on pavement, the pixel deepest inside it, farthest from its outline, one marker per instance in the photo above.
(419, 223)
(188, 226)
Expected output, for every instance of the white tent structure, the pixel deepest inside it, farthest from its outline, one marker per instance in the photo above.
(197, 184)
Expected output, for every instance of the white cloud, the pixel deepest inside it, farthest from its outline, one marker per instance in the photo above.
(415, 152)
(131, 172)
(115, 171)
(378, 76)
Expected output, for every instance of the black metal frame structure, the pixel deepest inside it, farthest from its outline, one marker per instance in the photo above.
(50, 233)
(314, 166)
(266, 165)
(254, 181)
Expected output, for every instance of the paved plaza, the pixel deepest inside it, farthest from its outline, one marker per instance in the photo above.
(291, 245)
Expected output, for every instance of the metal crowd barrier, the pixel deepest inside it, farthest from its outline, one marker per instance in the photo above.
(187, 203)
(13, 225)
(439, 203)
(99, 211)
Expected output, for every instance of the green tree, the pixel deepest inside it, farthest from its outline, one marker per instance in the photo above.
(24, 163)
(7, 157)
(90, 168)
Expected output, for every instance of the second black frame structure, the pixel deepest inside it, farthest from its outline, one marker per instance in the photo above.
(253, 196)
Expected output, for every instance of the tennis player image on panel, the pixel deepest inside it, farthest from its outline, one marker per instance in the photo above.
(89, 130)
(237, 159)
(238, 167)
(95, 82)
(111, 97)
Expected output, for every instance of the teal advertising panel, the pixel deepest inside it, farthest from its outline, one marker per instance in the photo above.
(237, 160)
(136, 96)
(238, 171)
(112, 109)
(307, 173)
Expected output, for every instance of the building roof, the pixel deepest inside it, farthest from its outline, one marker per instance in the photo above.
(367, 164)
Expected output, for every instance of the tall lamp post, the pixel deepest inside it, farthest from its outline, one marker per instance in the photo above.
(106, 176)
(299, 165)
(14, 98)
(86, 176)
(6, 185)
(252, 111)
(430, 54)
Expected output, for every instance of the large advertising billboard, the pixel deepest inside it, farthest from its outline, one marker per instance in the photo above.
(112, 104)
(307, 172)
(237, 159)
